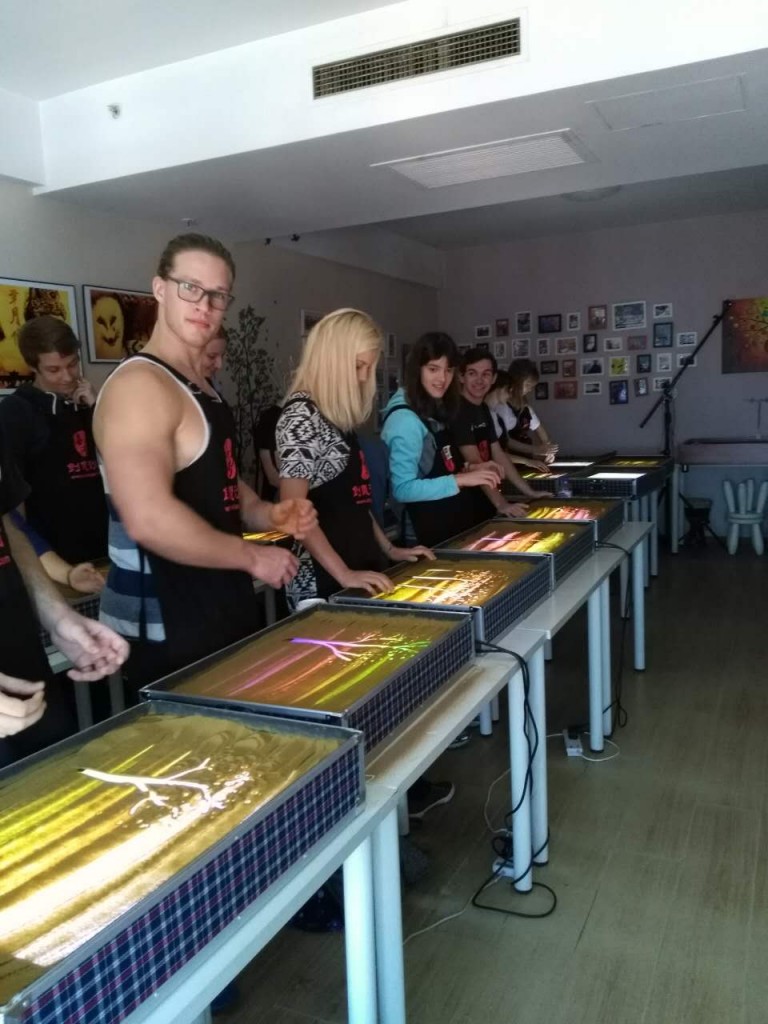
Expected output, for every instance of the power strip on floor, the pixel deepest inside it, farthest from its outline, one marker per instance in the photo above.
(573, 746)
(503, 868)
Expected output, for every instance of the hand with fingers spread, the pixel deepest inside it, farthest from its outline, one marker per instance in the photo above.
(275, 566)
(21, 704)
(482, 477)
(413, 554)
(93, 648)
(512, 510)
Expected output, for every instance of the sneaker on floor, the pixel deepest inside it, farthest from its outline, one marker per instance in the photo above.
(427, 796)
(461, 741)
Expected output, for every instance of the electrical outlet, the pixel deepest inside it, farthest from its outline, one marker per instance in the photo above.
(573, 746)
(503, 868)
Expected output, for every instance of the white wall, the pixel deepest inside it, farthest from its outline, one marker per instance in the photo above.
(694, 264)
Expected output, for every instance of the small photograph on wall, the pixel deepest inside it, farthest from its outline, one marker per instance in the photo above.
(662, 311)
(663, 334)
(566, 389)
(660, 383)
(483, 331)
(745, 336)
(613, 344)
(618, 392)
(573, 322)
(521, 348)
(541, 391)
(500, 351)
(550, 323)
(637, 342)
(683, 359)
(589, 343)
(643, 363)
(119, 323)
(550, 367)
(308, 320)
(687, 339)
(592, 367)
(619, 366)
(542, 346)
(641, 386)
(502, 327)
(664, 362)
(592, 387)
(597, 318)
(567, 346)
(569, 367)
(628, 316)
(21, 301)
(523, 323)
(482, 346)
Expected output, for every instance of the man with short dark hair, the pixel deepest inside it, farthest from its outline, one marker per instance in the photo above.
(180, 585)
(475, 433)
(48, 432)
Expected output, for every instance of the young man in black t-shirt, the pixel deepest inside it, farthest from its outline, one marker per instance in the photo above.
(475, 433)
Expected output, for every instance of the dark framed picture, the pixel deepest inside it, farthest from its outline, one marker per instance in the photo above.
(628, 316)
(550, 367)
(569, 367)
(641, 386)
(308, 321)
(523, 323)
(637, 342)
(592, 367)
(550, 323)
(662, 311)
(597, 318)
(592, 387)
(118, 322)
(21, 301)
(663, 333)
(502, 327)
(566, 346)
(685, 360)
(521, 348)
(573, 322)
(542, 346)
(566, 389)
(483, 346)
(483, 331)
(618, 392)
(643, 363)
(589, 342)
(541, 391)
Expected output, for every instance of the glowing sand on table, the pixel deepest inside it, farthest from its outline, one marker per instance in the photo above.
(467, 582)
(323, 661)
(614, 476)
(639, 463)
(569, 512)
(266, 537)
(87, 833)
(503, 537)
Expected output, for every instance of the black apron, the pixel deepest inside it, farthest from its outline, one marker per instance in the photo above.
(344, 515)
(22, 656)
(66, 504)
(522, 429)
(436, 521)
(204, 610)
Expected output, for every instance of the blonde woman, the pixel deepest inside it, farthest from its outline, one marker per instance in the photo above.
(331, 395)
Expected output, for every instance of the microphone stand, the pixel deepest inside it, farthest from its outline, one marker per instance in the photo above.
(667, 399)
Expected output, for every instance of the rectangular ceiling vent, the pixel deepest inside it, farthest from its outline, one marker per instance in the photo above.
(476, 46)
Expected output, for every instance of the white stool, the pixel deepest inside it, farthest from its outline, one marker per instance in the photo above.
(741, 512)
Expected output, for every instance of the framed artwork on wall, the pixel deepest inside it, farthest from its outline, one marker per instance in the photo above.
(569, 367)
(566, 346)
(628, 316)
(643, 363)
(592, 367)
(592, 387)
(21, 301)
(683, 359)
(500, 351)
(662, 311)
(637, 342)
(664, 362)
(550, 367)
(619, 366)
(541, 391)
(502, 327)
(542, 346)
(550, 323)
(641, 386)
(687, 339)
(612, 344)
(618, 392)
(745, 336)
(521, 348)
(523, 323)
(566, 389)
(597, 318)
(483, 331)
(660, 382)
(118, 322)
(662, 335)
(589, 342)
(573, 322)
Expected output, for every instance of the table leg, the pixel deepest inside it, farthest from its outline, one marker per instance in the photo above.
(654, 560)
(116, 693)
(638, 604)
(486, 721)
(389, 922)
(674, 509)
(645, 516)
(605, 632)
(539, 803)
(403, 821)
(359, 939)
(594, 622)
(270, 607)
(518, 764)
(623, 587)
(548, 650)
(495, 712)
(83, 706)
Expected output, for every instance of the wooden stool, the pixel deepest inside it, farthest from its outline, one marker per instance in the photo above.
(742, 512)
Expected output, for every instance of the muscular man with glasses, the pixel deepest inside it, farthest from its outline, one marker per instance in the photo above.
(180, 582)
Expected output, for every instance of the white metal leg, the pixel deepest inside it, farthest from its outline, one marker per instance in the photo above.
(594, 623)
(638, 604)
(548, 650)
(605, 636)
(389, 922)
(623, 586)
(518, 764)
(645, 516)
(486, 722)
(539, 802)
(654, 550)
(403, 821)
(359, 938)
(495, 713)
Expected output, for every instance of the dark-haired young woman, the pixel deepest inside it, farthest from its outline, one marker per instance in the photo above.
(441, 496)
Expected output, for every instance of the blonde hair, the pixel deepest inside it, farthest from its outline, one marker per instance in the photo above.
(327, 370)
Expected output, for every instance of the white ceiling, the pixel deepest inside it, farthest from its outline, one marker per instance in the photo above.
(712, 157)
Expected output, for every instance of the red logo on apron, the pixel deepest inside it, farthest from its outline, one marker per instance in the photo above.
(364, 473)
(448, 462)
(80, 443)
(230, 460)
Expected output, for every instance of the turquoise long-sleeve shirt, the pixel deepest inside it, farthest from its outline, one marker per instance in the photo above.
(412, 451)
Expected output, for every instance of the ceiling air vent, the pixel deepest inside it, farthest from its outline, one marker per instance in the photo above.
(492, 42)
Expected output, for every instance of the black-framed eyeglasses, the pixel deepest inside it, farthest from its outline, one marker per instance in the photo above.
(190, 292)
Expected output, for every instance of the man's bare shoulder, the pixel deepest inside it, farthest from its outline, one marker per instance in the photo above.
(141, 387)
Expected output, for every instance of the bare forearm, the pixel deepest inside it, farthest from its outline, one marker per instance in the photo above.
(381, 538)
(48, 602)
(318, 545)
(255, 513)
(55, 566)
(270, 470)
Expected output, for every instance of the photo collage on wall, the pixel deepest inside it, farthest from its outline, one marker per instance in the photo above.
(623, 350)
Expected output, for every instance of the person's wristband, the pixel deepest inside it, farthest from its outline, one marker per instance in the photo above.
(70, 570)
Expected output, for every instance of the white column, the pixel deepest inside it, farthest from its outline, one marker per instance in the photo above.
(359, 940)
(389, 922)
